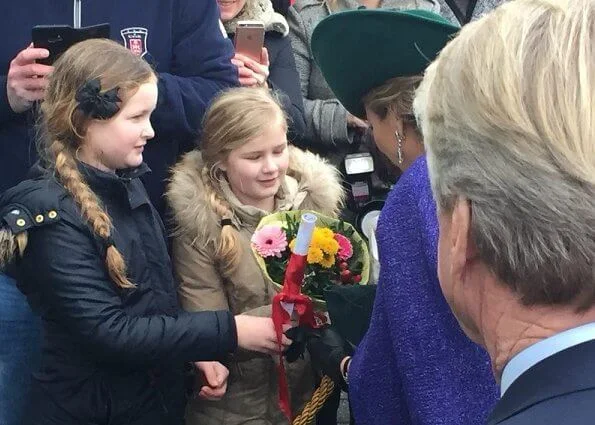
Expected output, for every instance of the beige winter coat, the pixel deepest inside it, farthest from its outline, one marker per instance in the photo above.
(252, 392)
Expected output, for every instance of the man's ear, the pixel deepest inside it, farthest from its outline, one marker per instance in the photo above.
(461, 243)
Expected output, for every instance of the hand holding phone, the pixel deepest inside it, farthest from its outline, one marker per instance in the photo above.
(250, 72)
(26, 80)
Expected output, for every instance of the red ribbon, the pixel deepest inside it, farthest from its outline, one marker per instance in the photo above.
(302, 307)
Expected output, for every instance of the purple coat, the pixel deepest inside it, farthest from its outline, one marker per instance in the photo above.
(415, 365)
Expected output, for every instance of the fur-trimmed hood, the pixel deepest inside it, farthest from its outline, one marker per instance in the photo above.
(259, 10)
(310, 183)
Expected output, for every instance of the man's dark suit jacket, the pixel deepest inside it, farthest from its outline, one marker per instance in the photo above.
(559, 390)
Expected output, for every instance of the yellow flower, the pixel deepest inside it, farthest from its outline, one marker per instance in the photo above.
(329, 246)
(327, 261)
(325, 232)
(315, 255)
(315, 239)
(323, 247)
(323, 238)
(320, 234)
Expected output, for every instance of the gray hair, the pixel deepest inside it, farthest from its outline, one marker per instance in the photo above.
(508, 120)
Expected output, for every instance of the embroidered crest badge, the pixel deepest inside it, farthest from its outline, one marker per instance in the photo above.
(135, 40)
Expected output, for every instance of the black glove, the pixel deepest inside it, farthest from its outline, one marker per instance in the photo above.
(299, 336)
(327, 350)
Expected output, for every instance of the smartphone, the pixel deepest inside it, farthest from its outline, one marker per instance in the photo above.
(249, 39)
(58, 38)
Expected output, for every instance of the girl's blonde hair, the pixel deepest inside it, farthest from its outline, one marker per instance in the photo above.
(235, 117)
(63, 126)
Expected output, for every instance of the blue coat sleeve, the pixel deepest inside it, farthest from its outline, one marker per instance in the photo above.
(201, 67)
(375, 388)
(6, 112)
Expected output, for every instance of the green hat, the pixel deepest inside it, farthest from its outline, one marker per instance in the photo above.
(358, 50)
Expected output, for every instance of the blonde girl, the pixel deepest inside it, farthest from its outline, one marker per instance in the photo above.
(244, 170)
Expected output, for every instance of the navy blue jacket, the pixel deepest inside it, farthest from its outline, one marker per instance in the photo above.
(109, 355)
(558, 390)
(182, 38)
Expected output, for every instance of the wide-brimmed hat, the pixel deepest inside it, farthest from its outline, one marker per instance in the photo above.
(358, 50)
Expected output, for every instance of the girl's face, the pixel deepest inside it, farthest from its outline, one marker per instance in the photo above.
(256, 169)
(118, 143)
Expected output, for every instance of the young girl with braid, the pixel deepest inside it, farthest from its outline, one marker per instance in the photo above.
(243, 171)
(88, 250)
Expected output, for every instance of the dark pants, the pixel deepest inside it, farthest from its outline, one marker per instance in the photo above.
(19, 351)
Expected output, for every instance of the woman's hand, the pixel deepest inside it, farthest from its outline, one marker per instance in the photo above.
(250, 72)
(258, 334)
(212, 380)
(355, 122)
(328, 350)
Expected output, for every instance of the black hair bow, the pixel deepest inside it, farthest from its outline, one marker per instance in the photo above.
(95, 104)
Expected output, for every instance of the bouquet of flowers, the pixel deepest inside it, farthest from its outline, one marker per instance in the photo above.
(337, 254)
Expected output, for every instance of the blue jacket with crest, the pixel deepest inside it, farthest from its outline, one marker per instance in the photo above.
(181, 38)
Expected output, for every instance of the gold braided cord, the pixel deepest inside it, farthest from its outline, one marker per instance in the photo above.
(320, 396)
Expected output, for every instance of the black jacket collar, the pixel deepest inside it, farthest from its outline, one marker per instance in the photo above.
(98, 179)
(565, 372)
(110, 185)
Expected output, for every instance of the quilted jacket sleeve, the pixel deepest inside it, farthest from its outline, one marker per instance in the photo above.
(63, 262)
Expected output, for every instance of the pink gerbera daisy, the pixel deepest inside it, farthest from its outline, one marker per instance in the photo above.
(345, 247)
(269, 241)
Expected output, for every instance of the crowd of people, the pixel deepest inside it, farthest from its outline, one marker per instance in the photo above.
(134, 172)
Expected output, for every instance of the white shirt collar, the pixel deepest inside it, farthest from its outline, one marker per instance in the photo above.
(541, 350)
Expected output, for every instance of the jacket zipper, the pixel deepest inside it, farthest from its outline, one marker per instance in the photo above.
(77, 13)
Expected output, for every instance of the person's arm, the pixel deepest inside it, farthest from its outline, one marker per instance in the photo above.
(24, 84)
(65, 265)
(375, 385)
(201, 68)
(6, 112)
(284, 79)
(326, 120)
(201, 287)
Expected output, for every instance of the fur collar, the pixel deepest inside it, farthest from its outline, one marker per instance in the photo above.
(259, 10)
(311, 183)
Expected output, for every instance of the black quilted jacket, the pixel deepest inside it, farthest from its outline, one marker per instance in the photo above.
(110, 356)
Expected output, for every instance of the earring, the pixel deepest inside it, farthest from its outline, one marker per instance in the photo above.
(399, 148)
